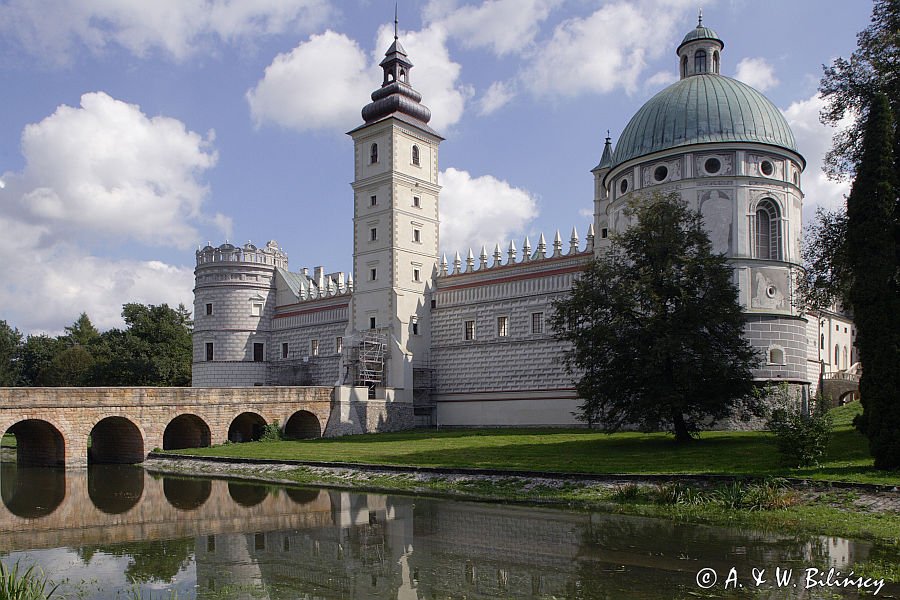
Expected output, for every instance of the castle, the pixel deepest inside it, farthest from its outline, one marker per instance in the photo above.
(466, 342)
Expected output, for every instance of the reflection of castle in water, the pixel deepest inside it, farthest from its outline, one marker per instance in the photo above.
(250, 540)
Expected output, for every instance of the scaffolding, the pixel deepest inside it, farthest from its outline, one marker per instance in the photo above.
(366, 357)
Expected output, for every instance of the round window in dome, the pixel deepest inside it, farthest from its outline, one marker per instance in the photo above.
(660, 173)
(712, 166)
(767, 168)
(623, 186)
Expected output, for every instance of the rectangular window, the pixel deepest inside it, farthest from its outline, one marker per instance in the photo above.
(415, 325)
(417, 275)
(502, 326)
(209, 311)
(373, 274)
(209, 351)
(314, 347)
(417, 235)
(256, 309)
(604, 233)
(373, 200)
(258, 350)
(373, 234)
(470, 330)
(416, 202)
(537, 322)
(371, 322)
(284, 350)
(339, 344)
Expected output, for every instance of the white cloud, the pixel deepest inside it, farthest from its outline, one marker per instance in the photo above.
(606, 50)
(101, 172)
(661, 79)
(291, 92)
(484, 210)
(285, 96)
(504, 26)
(496, 97)
(106, 169)
(757, 73)
(52, 28)
(813, 141)
(50, 289)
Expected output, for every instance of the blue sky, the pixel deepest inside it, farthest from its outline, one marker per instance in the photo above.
(132, 131)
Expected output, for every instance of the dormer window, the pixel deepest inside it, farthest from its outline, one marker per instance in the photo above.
(415, 155)
(373, 154)
(700, 61)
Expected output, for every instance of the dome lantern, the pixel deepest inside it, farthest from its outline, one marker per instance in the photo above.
(699, 51)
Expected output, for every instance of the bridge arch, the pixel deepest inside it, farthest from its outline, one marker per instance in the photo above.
(186, 494)
(302, 496)
(39, 443)
(116, 440)
(246, 427)
(303, 425)
(186, 431)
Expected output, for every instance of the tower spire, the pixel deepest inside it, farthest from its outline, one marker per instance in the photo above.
(396, 22)
(699, 17)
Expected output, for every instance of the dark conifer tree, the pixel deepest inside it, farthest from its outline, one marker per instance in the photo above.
(874, 291)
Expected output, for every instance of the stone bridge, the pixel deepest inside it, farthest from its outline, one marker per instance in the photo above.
(53, 426)
(840, 387)
(50, 508)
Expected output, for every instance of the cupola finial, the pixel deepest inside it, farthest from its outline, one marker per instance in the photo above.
(700, 18)
(396, 21)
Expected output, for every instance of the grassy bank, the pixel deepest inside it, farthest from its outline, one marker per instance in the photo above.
(751, 454)
(7, 441)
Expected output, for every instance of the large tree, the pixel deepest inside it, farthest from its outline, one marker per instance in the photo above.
(656, 331)
(10, 341)
(875, 289)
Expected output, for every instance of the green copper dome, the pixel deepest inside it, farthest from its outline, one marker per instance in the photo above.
(700, 33)
(703, 109)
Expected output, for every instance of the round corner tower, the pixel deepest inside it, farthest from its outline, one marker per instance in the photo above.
(234, 300)
(729, 153)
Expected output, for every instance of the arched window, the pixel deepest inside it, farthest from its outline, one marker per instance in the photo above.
(373, 154)
(776, 356)
(844, 363)
(768, 231)
(700, 61)
(403, 75)
(415, 155)
(684, 66)
(837, 351)
(716, 62)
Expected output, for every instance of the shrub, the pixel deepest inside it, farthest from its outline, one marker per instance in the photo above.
(271, 433)
(802, 440)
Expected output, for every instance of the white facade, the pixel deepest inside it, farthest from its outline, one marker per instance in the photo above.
(469, 342)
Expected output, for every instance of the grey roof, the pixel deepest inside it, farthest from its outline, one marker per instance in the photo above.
(702, 109)
(606, 160)
(295, 281)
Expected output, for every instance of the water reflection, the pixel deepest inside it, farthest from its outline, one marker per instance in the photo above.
(220, 539)
(31, 492)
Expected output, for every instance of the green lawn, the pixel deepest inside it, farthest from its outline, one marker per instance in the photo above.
(726, 453)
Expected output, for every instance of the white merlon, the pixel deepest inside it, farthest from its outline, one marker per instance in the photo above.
(526, 250)
(557, 245)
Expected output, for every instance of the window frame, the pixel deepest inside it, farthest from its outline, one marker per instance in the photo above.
(469, 331)
(416, 159)
(537, 323)
(314, 347)
(767, 236)
(503, 326)
(259, 352)
(373, 153)
(285, 350)
(210, 352)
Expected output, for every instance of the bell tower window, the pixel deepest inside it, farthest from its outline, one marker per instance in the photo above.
(415, 155)
(373, 154)
(700, 61)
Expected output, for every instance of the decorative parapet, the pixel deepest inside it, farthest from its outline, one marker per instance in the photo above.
(320, 285)
(272, 254)
(540, 253)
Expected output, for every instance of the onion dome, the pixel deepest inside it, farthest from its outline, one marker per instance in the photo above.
(396, 97)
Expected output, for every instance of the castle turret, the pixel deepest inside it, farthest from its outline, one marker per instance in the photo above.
(234, 300)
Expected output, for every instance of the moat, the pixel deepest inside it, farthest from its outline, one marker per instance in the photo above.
(116, 532)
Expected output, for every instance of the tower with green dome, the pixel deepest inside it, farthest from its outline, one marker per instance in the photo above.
(729, 152)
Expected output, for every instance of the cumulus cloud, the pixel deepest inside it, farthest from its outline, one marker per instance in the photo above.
(496, 97)
(814, 140)
(606, 50)
(757, 73)
(483, 210)
(284, 96)
(106, 169)
(503, 26)
(661, 79)
(177, 28)
(100, 172)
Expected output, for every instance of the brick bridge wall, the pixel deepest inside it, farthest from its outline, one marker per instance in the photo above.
(52, 425)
